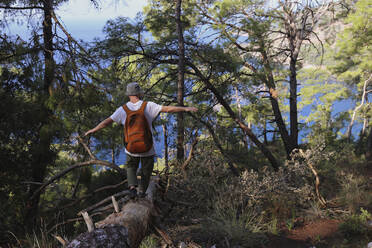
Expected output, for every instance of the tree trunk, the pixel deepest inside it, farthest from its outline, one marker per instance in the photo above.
(180, 84)
(166, 159)
(112, 152)
(265, 133)
(237, 97)
(48, 46)
(270, 83)
(43, 154)
(293, 103)
(364, 99)
(369, 147)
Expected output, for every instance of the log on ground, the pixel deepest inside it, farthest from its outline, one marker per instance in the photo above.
(125, 229)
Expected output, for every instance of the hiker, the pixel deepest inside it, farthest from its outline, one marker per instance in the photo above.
(138, 134)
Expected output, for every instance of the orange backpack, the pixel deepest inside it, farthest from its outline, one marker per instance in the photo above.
(137, 133)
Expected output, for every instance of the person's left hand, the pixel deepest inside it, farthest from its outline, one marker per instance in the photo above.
(191, 109)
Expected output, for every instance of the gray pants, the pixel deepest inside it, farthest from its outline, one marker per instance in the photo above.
(147, 165)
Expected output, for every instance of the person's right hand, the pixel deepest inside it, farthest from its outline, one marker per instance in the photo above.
(89, 132)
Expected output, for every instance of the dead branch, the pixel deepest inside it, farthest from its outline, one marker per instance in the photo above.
(317, 181)
(88, 221)
(82, 164)
(191, 153)
(70, 38)
(107, 199)
(86, 147)
(60, 240)
(348, 132)
(72, 220)
(165, 236)
(22, 8)
(90, 195)
(78, 165)
(109, 207)
(115, 203)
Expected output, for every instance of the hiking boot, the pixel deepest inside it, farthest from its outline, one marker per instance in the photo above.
(142, 194)
(132, 193)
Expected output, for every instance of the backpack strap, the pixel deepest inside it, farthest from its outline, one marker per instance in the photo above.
(126, 109)
(142, 108)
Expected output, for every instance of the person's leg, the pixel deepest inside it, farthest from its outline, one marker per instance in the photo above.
(132, 165)
(147, 164)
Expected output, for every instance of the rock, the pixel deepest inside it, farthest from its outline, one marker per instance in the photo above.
(182, 245)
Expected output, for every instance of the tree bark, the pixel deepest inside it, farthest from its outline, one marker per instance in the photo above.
(293, 102)
(48, 46)
(166, 158)
(369, 147)
(295, 36)
(238, 99)
(363, 100)
(180, 83)
(43, 154)
(270, 83)
(125, 229)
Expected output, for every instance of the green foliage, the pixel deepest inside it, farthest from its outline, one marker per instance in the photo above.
(351, 54)
(354, 192)
(272, 226)
(150, 242)
(241, 208)
(160, 18)
(25, 133)
(354, 45)
(320, 99)
(356, 225)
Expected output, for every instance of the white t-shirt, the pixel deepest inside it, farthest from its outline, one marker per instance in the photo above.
(152, 110)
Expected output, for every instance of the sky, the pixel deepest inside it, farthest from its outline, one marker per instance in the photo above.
(83, 21)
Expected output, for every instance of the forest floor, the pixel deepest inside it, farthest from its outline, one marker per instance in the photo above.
(318, 232)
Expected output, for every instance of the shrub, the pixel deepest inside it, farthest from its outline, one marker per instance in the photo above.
(354, 192)
(258, 201)
(355, 225)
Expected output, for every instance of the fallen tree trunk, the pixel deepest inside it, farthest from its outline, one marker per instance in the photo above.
(124, 229)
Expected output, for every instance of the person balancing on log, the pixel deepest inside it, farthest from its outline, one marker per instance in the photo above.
(137, 116)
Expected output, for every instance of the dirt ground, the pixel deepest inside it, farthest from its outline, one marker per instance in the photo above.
(305, 236)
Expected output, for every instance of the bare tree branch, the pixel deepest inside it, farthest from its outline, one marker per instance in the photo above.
(91, 155)
(21, 8)
(348, 132)
(78, 165)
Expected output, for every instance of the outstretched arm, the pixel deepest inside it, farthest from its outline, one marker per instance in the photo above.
(174, 109)
(101, 125)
